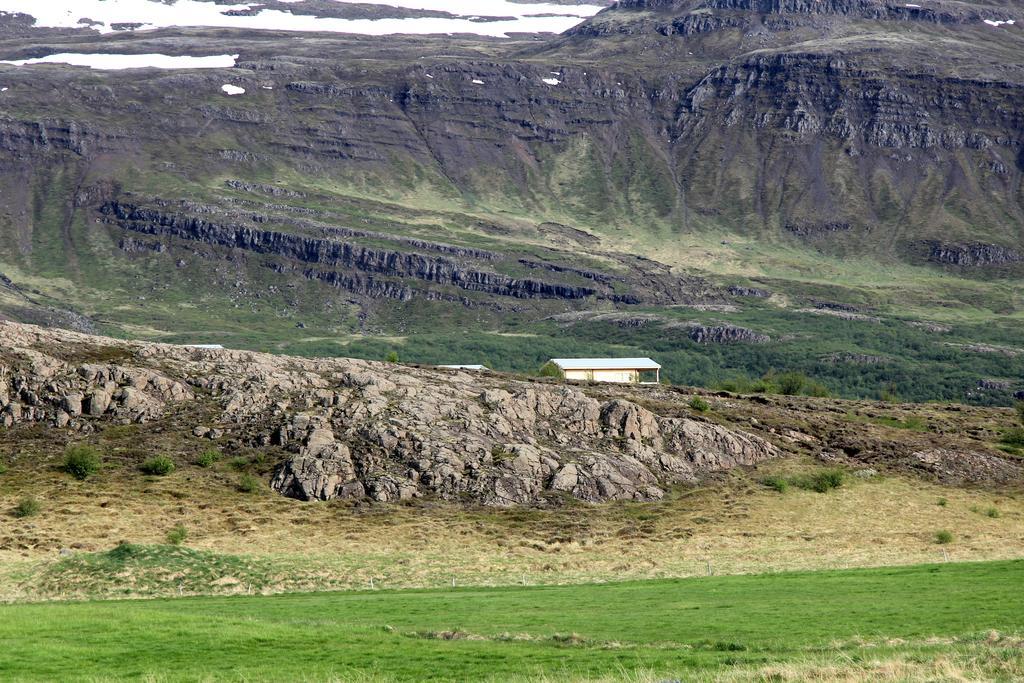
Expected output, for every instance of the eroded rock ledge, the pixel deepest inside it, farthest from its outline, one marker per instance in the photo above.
(357, 429)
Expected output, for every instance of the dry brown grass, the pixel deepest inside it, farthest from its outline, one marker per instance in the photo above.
(737, 525)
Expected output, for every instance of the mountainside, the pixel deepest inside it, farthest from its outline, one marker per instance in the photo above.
(712, 163)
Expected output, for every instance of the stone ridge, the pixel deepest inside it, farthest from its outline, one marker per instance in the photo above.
(357, 429)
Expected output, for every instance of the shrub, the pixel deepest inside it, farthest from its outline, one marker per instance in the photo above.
(816, 389)
(239, 462)
(1014, 437)
(81, 461)
(778, 483)
(158, 466)
(790, 383)
(3, 468)
(699, 404)
(821, 482)
(549, 369)
(27, 507)
(1020, 412)
(942, 502)
(888, 394)
(177, 535)
(392, 357)
(499, 453)
(992, 512)
(249, 484)
(942, 537)
(207, 458)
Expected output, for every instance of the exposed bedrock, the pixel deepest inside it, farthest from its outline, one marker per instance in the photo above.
(335, 253)
(355, 429)
(970, 255)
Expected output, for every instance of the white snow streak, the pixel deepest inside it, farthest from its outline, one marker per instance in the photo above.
(115, 61)
(100, 15)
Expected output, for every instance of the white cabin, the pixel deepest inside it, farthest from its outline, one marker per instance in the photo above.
(622, 370)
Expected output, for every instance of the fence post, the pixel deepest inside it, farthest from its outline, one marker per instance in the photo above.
(709, 567)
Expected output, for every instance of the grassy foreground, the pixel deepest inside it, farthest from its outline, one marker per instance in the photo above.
(908, 623)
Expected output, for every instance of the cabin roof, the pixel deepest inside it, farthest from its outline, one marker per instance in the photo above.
(605, 363)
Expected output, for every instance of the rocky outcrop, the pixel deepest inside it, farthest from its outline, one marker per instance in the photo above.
(357, 429)
(815, 230)
(336, 253)
(972, 255)
(724, 334)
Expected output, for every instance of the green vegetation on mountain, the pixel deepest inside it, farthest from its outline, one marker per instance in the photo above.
(437, 199)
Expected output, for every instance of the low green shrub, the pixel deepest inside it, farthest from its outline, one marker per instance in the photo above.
(81, 461)
(249, 484)
(790, 383)
(208, 458)
(942, 502)
(699, 404)
(239, 462)
(3, 468)
(27, 507)
(780, 484)
(889, 394)
(943, 537)
(1014, 437)
(822, 481)
(549, 369)
(177, 535)
(159, 466)
(992, 512)
(392, 357)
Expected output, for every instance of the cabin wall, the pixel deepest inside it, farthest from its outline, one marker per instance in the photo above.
(619, 376)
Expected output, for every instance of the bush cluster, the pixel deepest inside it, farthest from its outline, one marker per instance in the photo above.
(549, 369)
(27, 507)
(699, 404)
(177, 535)
(1014, 437)
(208, 458)
(81, 461)
(786, 383)
(249, 484)
(821, 481)
(159, 466)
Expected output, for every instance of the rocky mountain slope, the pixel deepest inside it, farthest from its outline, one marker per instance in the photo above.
(704, 153)
(356, 429)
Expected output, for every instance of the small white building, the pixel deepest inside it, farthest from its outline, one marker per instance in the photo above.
(623, 370)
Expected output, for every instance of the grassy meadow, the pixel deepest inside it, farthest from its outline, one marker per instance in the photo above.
(923, 622)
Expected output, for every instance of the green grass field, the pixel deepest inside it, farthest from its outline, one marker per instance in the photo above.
(926, 622)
